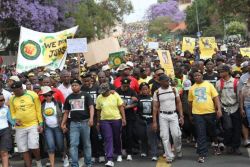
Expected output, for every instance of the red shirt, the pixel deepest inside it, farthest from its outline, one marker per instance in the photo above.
(57, 95)
(133, 84)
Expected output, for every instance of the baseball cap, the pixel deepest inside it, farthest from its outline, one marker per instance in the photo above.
(163, 78)
(104, 87)
(130, 64)
(14, 78)
(76, 81)
(125, 81)
(123, 67)
(105, 67)
(45, 89)
(16, 84)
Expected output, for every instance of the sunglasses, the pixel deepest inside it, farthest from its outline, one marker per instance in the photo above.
(1, 100)
(47, 95)
(160, 74)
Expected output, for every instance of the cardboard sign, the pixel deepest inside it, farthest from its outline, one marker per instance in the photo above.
(99, 51)
(77, 45)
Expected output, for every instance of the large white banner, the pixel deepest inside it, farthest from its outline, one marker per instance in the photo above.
(38, 49)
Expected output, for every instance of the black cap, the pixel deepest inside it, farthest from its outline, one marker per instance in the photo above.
(86, 75)
(163, 78)
(17, 84)
(76, 81)
(225, 68)
(125, 81)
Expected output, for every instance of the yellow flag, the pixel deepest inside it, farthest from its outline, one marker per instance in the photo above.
(166, 62)
(245, 51)
(207, 46)
(188, 43)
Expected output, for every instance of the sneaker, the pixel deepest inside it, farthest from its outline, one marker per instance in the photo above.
(164, 155)
(217, 151)
(39, 163)
(169, 160)
(47, 164)
(222, 146)
(195, 145)
(201, 159)
(246, 143)
(81, 162)
(119, 158)
(143, 155)
(154, 159)
(214, 144)
(229, 150)
(129, 158)
(93, 159)
(101, 159)
(66, 161)
(109, 164)
(237, 151)
(179, 154)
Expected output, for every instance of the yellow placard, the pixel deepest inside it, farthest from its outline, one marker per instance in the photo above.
(207, 46)
(245, 51)
(166, 62)
(188, 43)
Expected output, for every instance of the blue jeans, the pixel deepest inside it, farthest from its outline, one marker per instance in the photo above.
(80, 131)
(247, 110)
(54, 137)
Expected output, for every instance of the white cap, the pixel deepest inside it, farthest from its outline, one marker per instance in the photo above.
(105, 67)
(14, 78)
(130, 64)
(45, 89)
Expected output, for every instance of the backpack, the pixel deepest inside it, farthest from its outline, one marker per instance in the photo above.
(222, 83)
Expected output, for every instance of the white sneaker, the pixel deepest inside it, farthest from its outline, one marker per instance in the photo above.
(101, 159)
(110, 164)
(39, 163)
(119, 158)
(179, 154)
(143, 155)
(129, 158)
(66, 161)
(81, 162)
(154, 159)
(93, 159)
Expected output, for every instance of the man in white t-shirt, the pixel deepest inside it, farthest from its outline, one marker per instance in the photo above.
(166, 101)
(65, 87)
(5, 93)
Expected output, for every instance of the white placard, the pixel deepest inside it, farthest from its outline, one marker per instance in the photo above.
(153, 45)
(77, 45)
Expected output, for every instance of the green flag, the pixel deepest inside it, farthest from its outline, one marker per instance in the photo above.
(115, 59)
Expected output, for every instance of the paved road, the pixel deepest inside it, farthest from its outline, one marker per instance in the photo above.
(188, 160)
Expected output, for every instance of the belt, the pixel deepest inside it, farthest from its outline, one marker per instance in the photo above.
(147, 116)
(167, 112)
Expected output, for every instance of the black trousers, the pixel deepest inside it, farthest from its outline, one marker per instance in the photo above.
(97, 143)
(232, 125)
(127, 136)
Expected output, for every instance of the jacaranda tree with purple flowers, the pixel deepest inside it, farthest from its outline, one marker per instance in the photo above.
(168, 9)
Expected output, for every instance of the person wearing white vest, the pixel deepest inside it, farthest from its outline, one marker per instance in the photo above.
(5, 132)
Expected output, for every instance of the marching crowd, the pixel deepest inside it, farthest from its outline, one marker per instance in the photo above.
(104, 113)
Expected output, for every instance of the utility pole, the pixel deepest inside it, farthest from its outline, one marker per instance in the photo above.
(197, 17)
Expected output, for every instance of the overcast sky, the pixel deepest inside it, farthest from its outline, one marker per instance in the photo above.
(140, 7)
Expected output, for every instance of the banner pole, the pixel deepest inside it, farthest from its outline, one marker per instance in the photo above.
(79, 64)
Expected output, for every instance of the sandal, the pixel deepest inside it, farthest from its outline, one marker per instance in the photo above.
(201, 159)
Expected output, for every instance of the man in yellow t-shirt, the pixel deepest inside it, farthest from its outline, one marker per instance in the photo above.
(205, 105)
(25, 108)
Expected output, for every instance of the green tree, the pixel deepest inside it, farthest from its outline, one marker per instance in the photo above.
(235, 27)
(159, 26)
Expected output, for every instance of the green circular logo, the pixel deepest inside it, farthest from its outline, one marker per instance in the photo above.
(30, 49)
